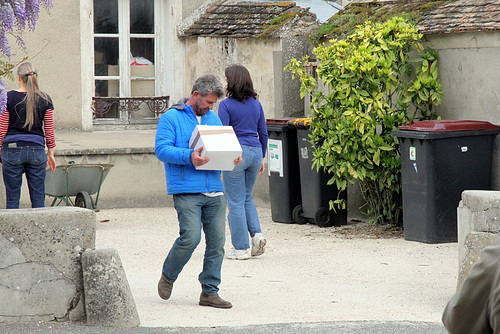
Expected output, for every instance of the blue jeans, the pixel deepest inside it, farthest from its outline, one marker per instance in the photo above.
(197, 211)
(238, 186)
(31, 160)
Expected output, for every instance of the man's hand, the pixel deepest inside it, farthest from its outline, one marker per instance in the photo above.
(238, 161)
(198, 160)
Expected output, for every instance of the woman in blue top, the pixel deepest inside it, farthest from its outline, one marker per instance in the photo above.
(244, 113)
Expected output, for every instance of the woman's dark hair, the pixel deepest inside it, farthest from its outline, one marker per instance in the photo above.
(239, 83)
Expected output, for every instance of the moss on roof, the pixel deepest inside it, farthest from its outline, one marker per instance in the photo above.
(282, 3)
(344, 22)
(278, 22)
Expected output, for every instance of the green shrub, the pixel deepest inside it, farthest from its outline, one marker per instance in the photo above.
(372, 89)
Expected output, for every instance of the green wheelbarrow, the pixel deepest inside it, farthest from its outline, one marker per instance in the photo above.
(76, 180)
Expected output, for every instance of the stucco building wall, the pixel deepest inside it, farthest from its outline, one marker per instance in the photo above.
(469, 71)
(265, 59)
(54, 49)
(61, 48)
(213, 55)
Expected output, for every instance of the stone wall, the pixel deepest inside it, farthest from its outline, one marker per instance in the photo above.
(40, 267)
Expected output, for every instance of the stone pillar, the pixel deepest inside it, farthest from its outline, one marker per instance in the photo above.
(478, 211)
(478, 218)
(473, 247)
(108, 299)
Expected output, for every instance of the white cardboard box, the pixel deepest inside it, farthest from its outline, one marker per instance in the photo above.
(220, 145)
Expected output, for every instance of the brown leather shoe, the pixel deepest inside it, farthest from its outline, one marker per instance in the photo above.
(165, 288)
(214, 301)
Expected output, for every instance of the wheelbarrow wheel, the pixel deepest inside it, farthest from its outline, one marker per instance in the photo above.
(83, 200)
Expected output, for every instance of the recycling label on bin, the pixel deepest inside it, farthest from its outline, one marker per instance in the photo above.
(304, 153)
(275, 156)
(413, 153)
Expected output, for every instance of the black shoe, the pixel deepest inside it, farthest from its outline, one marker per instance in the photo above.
(214, 301)
(165, 288)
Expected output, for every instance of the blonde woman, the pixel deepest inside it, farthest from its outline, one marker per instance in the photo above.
(26, 126)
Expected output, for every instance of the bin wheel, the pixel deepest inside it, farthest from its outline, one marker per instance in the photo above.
(298, 215)
(83, 200)
(323, 218)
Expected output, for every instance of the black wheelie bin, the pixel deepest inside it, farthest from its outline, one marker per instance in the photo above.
(439, 160)
(283, 169)
(316, 193)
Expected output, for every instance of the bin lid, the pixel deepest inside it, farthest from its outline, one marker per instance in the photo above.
(446, 129)
(279, 121)
(450, 125)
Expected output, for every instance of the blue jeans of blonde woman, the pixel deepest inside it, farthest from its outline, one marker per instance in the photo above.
(29, 160)
(238, 185)
(196, 212)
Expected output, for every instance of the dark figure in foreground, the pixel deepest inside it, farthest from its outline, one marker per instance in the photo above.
(475, 309)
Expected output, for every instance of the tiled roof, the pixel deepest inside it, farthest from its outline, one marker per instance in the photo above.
(241, 19)
(434, 17)
(357, 12)
(462, 16)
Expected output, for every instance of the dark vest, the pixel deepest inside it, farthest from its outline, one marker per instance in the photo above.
(17, 114)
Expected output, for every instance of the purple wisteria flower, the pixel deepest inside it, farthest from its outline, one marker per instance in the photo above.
(3, 96)
(16, 16)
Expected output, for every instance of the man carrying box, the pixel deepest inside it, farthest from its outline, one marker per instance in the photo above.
(197, 194)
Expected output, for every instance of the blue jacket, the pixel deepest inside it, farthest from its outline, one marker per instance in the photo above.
(172, 148)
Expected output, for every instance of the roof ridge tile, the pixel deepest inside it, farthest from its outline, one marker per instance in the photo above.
(240, 19)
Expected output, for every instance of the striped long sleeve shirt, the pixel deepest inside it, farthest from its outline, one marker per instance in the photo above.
(12, 121)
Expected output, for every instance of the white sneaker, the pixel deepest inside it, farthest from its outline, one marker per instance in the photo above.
(258, 244)
(238, 254)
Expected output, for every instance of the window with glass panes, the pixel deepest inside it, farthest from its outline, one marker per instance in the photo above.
(124, 55)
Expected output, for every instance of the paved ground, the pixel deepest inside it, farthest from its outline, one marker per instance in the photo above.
(361, 327)
(308, 281)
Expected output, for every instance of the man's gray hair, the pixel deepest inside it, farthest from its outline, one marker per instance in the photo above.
(208, 84)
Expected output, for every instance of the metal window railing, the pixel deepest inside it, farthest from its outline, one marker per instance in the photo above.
(127, 110)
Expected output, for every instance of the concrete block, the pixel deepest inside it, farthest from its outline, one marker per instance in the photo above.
(40, 268)
(108, 299)
(478, 211)
(473, 247)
